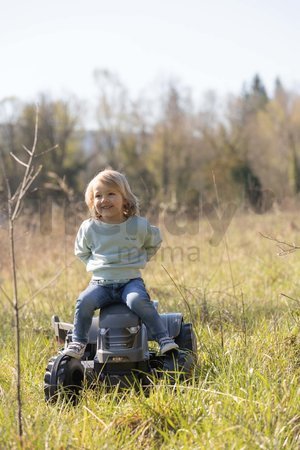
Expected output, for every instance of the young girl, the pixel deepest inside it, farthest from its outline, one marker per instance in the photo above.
(114, 244)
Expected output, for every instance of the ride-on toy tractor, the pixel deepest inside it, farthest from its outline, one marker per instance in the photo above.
(118, 353)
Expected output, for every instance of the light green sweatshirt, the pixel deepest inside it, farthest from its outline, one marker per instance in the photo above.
(116, 251)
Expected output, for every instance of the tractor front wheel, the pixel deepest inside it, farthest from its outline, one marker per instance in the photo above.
(63, 379)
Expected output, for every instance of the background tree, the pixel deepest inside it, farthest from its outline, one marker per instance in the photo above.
(112, 111)
(248, 148)
(59, 125)
(10, 110)
(170, 148)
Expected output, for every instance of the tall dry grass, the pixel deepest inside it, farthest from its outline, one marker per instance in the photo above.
(245, 390)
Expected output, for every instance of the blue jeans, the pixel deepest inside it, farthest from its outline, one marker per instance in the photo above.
(133, 294)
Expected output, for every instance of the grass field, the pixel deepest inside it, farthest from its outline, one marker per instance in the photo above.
(245, 391)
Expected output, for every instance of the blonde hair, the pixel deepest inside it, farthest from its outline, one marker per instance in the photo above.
(117, 181)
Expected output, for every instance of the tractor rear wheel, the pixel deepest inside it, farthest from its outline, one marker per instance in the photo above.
(186, 340)
(187, 352)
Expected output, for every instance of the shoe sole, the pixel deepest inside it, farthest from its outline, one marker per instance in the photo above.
(168, 348)
(72, 354)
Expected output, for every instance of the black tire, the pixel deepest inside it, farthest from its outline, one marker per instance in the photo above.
(177, 366)
(63, 378)
(187, 354)
(186, 340)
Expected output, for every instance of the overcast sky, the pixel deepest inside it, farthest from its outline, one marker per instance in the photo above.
(54, 46)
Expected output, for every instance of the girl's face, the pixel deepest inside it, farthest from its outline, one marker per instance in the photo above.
(109, 203)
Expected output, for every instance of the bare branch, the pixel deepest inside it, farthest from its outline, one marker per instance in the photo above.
(47, 151)
(25, 190)
(18, 160)
(7, 297)
(15, 204)
(29, 170)
(26, 149)
(32, 178)
(16, 193)
(285, 247)
(61, 185)
(291, 298)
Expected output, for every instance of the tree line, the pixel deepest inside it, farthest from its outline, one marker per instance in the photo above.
(175, 153)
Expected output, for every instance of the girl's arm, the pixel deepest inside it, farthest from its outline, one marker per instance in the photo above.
(82, 248)
(153, 241)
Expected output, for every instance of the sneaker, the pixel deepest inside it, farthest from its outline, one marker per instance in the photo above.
(166, 344)
(75, 350)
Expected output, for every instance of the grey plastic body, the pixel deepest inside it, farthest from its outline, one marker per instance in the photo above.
(121, 336)
(119, 333)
